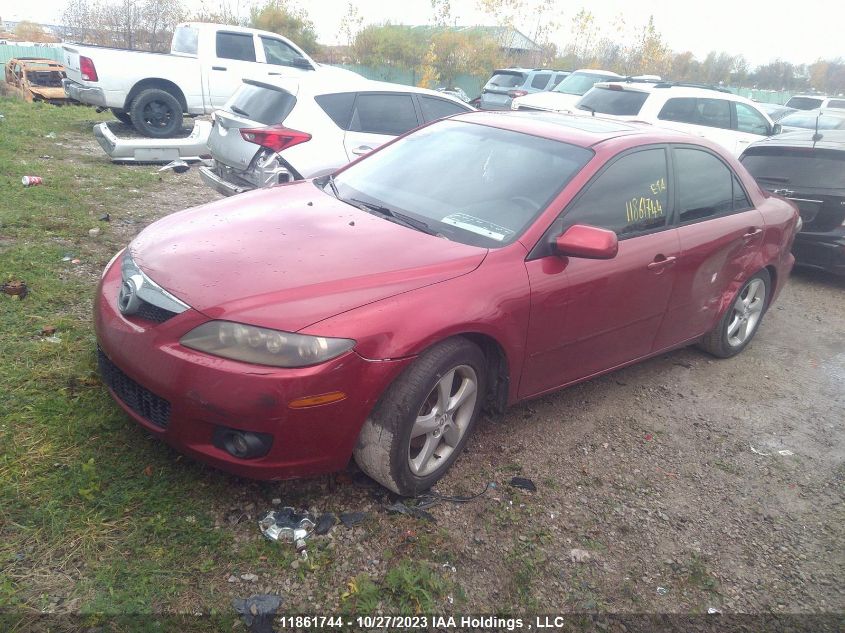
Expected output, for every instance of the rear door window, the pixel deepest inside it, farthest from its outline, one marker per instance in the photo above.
(558, 78)
(235, 46)
(434, 108)
(391, 114)
(616, 102)
(629, 197)
(540, 81)
(681, 110)
(185, 40)
(836, 103)
(750, 121)
(705, 185)
(338, 106)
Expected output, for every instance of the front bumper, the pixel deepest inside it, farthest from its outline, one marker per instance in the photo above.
(182, 396)
(84, 94)
(821, 250)
(154, 150)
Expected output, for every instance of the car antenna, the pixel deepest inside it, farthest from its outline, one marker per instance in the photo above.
(816, 136)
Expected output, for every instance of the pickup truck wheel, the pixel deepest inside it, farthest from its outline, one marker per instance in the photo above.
(156, 113)
(421, 423)
(122, 116)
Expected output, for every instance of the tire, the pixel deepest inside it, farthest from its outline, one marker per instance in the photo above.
(741, 320)
(122, 116)
(385, 449)
(156, 113)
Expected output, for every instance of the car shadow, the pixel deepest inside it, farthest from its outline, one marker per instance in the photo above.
(819, 277)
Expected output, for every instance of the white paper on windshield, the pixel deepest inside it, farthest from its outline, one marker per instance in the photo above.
(478, 226)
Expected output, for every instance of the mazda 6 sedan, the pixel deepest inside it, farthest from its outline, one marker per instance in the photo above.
(473, 263)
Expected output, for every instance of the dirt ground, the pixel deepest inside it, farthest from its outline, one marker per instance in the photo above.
(688, 483)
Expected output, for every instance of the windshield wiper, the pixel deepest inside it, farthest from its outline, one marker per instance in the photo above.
(392, 215)
(588, 108)
(237, 110)
(330, 182)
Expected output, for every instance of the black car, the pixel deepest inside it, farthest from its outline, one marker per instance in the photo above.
(808, 167)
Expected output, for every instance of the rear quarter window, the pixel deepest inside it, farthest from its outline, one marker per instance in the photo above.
(185, 40)
(433, 108)
(264, 104)
(615, 102)
(238, 46)
(338, 106)
(540, 81)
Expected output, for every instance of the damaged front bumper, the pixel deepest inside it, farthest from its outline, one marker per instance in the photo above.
(267, 169)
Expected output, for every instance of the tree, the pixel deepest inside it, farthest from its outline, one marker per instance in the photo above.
(390, 45)
(350, 25)
(454, 53)
(278, 16)
(31, 32)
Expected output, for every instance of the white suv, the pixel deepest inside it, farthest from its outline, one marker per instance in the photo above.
(563, 96)
(712, 113)
(290, 129)
(815, 102)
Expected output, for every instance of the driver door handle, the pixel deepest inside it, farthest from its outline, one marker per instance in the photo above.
(218, 68)
(361, 150)
(752, 235)
(660, 262)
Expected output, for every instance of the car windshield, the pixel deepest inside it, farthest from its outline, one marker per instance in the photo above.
(580, 83)
(808, 120)
(797, 166)
(470, 183)
(613, 101)
(804, 103)
(506, 80)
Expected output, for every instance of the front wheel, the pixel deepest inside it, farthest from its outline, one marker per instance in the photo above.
(741, 320)
(422, 422)
(156, 113)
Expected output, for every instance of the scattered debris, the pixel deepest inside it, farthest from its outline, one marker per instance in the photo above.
(713, 610)
(232, 579)
(76, 261)
(579, 555)
(249, 577)
(785, 453)
(257, 611)
(45, 157)
(93, 232)
(523, 483)
(48, 330)
(16, 289)
(179, 166)
(105, 218)
(68, 257)
(53, 339)
(325, 523)
(399, 507)
(50, 135)
(288, 526)
(31, 181)
(649, 437)
(276, 501)
(351, 519)
(662, 591)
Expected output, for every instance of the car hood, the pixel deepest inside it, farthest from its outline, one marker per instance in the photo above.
(556, 101)
(290, 256)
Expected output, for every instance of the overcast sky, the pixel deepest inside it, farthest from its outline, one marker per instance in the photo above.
(800, 32)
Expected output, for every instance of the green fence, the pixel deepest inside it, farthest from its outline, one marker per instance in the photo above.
(470, 84)
(8, 51)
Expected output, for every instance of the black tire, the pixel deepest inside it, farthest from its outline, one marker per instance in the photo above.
(384, 447)
(122, 116)
(718, 342)
(156, 113)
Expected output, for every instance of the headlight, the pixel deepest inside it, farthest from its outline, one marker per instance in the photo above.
(262, 346)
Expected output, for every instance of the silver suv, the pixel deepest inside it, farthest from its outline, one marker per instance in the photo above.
(509, 83)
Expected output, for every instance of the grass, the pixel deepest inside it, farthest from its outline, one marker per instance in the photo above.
(95, 517)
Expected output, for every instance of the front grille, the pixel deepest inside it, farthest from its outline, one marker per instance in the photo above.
(154, 313)
(142, 401)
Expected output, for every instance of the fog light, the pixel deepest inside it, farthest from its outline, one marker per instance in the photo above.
(242, 444)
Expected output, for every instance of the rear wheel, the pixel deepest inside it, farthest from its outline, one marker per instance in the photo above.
(741, 320)
(422, 422)
(156, 113)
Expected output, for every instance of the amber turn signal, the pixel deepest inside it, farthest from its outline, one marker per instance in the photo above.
(315, 401)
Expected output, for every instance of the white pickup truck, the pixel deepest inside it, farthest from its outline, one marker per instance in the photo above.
(205, 66)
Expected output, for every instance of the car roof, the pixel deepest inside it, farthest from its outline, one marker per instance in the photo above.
(830, 139)
(583, 131)
(675, 90)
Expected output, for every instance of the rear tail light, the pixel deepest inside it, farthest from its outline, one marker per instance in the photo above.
(615, 87)
(275, 137)
(87, 69)
(517, 93)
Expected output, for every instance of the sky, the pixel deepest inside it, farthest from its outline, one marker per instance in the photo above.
(761, 31)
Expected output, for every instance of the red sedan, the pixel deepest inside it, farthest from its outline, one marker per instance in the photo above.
(476, 262)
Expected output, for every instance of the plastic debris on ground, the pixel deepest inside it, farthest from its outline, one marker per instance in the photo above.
(288, 526)
(15, 289)
(579, 555)
(178, 166)
(325, 523)
(105, 218)
(257, 611)
(523, 483)
(662, 591)
(93, 232)
(351, 519)
(398, 507)
(31, 181)
(713, 610)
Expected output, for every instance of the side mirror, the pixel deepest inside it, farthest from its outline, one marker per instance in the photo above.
(301, 62)
(589, 242)
(777, 128)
